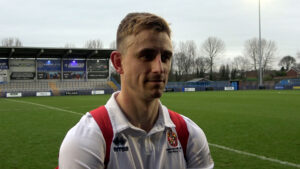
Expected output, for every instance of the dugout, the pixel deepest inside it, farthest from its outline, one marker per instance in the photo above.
(235, 84)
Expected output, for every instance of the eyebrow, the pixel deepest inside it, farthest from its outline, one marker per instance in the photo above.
(151, 50)
(168, 52)
(147, 50)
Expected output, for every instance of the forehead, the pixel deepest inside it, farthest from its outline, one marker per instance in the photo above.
(149, 39)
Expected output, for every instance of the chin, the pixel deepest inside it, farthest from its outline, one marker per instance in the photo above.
(156, 94)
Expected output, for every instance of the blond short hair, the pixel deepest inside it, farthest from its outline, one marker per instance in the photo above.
(134, 23)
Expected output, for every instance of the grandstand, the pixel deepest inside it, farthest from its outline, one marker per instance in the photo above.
(27, 71)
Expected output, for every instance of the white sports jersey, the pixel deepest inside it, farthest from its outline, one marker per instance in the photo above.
(133, 148)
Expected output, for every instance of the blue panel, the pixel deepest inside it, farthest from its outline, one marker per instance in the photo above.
(74, 65)
(234, 85)
(3, 64)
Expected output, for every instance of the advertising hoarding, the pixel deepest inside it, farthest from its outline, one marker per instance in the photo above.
(98, 68)
(49, 65)
(74, 65)
(49, 69)
(22, 65)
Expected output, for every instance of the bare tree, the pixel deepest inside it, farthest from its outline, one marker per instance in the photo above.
(94, 44)
(212, 48)
(70, 45)
(9, 42)
(113, 45)
(174, 45)
(241, 63)
(251, 51)
(224, 72)
(178, 59)
(287, 62)
(185, 57)
(202, 65)
(268, 49)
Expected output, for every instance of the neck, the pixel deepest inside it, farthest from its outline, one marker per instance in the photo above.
(141, 113)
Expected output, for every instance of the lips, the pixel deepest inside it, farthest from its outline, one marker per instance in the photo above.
(157, 80)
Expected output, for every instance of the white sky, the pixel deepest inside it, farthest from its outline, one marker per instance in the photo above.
(53, 23)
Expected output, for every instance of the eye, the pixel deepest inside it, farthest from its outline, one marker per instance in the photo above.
(166, 56)
(148, 55)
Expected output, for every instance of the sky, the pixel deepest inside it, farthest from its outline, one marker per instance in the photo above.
(54, 23)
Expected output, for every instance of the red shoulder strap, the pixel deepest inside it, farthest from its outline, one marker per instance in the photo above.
(181, 129)
(102, 118)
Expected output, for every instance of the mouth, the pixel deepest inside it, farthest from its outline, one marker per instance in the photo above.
(156, 81)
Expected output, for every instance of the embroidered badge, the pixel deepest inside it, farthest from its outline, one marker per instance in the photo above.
(172, 138)
(119, 143)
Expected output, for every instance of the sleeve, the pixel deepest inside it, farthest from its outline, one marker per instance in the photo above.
(83, 147)
(197, 152)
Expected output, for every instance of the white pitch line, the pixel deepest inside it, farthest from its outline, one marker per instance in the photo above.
(211, 144)
(256, 156)
(49, 107)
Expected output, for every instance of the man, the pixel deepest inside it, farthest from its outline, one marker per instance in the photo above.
(143, 134)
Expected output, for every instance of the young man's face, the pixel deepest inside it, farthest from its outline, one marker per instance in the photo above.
(146, 64)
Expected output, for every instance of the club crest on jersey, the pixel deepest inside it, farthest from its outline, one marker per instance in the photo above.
(119, 143)
(172, 138)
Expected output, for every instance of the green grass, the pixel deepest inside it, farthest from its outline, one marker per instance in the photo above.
(265, 123)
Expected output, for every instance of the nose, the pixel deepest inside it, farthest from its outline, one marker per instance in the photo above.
(157, 65)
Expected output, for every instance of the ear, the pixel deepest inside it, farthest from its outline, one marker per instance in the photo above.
(116, 60)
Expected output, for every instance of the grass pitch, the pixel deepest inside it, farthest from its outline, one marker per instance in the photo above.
(265, 123)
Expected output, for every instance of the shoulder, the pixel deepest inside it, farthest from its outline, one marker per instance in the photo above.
(86, 128)
(83, 141)
(193, 128)
(197, 147)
